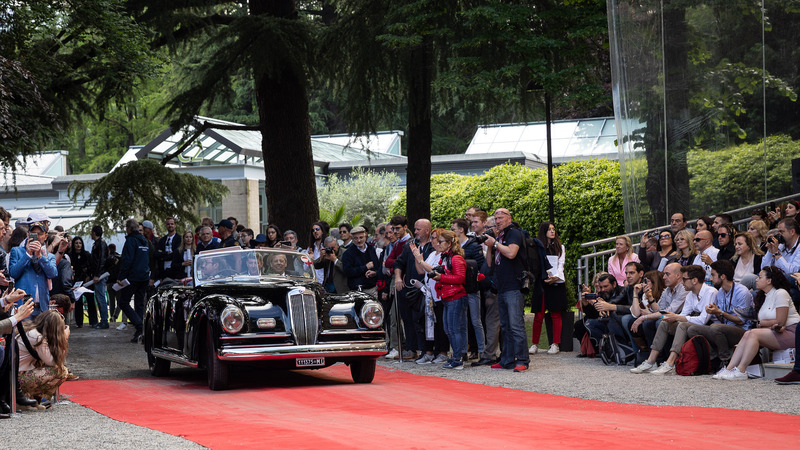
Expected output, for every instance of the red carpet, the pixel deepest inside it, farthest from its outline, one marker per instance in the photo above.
(323, 409)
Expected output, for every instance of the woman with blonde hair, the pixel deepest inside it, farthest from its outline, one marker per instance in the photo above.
(758, 229)
(621, 257)
(747, 259)
(684, 241)
(42, 355)
(188, 249)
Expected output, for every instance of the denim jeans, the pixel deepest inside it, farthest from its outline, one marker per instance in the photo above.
(455, 325)
(474, 301)
(100, 296)
(511, 305)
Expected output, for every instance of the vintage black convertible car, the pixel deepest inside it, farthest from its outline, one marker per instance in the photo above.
(261, 306)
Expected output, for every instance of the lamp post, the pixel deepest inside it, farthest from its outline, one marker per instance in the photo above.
(549, 156)
(533, 86)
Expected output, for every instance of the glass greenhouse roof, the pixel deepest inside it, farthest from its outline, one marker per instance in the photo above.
(571, 139)
(218, 146)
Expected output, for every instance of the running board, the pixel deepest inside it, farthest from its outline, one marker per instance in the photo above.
(158, 353)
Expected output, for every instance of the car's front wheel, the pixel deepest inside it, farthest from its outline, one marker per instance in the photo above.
(158, 367)
(218, 371)
(363, 371)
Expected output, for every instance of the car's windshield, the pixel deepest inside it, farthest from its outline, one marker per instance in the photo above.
(252, 264)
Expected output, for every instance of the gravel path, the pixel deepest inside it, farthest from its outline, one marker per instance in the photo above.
(96, 354)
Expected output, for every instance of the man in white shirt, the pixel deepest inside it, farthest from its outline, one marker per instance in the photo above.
(699, 295)
(706, 252)
(785, 255)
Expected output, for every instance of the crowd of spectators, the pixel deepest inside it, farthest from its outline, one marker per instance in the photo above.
(737, 289)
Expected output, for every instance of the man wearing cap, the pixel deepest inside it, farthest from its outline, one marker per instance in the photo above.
(225, 228)
(260, 241)
(360, 263)
(147, 231)
(31, 265)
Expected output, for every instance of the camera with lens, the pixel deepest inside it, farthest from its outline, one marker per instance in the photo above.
(525, 282)
(482, 238)
(653, 234)
(777, 239)
(436, 270)
(329, 250)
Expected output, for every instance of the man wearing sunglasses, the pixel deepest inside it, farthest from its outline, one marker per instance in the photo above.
(725, 234)
(31, 265)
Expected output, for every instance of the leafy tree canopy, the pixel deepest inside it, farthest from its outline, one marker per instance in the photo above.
(144, 188)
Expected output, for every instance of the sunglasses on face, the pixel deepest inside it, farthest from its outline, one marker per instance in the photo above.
(664, 236)
(700, 239)
(723, 235)
(316, 229)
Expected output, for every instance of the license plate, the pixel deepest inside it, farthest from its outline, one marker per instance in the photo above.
(309, 362)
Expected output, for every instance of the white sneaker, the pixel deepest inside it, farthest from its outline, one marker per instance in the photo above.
(720, 374)
(734, 375)
(646, 366)
(664, 369)
(441, 358)
(393, 354)
(533, 350)
(122, 326)
(553, 349)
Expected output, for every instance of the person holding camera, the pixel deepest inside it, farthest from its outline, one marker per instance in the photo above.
(449, 275)
(31, 265)
(782, 252)
(330, 261)
(503, 255)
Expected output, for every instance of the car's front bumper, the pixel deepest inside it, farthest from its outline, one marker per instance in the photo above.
(328, 350)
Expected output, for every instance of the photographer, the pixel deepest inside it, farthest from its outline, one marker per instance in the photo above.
(449, 275)
(7, 324)
(330, 261)
(31, 265)
(508, 268)
(782, 252)
(406, 267)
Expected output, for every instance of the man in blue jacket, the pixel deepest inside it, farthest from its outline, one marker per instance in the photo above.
(134, 269)
(31, 265)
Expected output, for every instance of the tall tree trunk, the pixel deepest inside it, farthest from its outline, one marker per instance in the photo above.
(420, 136)
(290, 185)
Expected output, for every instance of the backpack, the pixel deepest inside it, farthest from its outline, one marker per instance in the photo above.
(695, 357)
(613, 352)
(534, 261)
(471, 278)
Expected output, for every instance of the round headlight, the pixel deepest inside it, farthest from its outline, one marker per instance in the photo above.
(372, 314)
(232, 319)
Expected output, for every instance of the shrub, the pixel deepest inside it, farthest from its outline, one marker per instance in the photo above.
(365, 194)
(587, 201)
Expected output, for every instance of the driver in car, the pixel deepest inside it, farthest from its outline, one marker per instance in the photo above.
(210, 267)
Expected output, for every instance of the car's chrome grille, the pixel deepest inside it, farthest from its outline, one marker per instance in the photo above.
(303, 315)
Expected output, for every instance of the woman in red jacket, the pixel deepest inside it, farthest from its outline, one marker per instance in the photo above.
(450, 287)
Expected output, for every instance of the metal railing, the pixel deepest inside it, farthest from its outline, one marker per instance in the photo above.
(596, 261)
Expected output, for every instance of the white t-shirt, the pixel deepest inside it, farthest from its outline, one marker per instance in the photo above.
(433, 261)
(778, 298)
(743, 269)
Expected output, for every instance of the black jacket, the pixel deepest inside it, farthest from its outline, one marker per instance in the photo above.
(99, 251)
(173, 255)
(355, 262)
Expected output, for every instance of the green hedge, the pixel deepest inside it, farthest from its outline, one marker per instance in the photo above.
(733, 177)
(587, 202)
